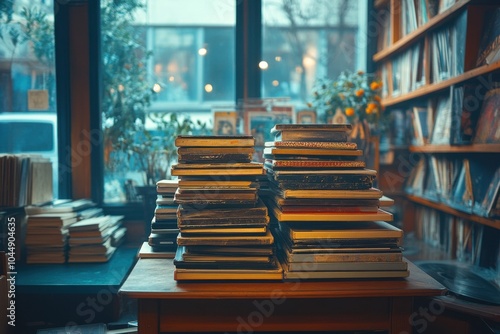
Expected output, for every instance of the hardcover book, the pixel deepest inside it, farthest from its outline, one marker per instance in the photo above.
(214, 141)
(293, 275)
(311, 164)
(221, 154)
(342, 230)
(320, 185)
(228, 230)
(186, 213)
(306, 217)
(238, 240)
(217, 184)
(312, 145)
(224, 221)
(371, 193)
(326, 202)
(311, 132)
(219, 169)
(181, 274)
(270, 152)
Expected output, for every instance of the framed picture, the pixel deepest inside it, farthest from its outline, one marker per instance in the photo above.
(306, 117)
(283, 114)
(225, 123)
(259, 125)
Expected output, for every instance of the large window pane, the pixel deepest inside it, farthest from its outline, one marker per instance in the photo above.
(27, 80)
(305, 40)
(164, 61)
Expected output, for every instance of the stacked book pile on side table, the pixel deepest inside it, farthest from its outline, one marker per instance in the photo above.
(326, 214)
(162, 241)
(224, 225)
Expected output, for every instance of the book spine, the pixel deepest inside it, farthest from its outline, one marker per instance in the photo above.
(325, 186)
(310, 178)
(354, 257)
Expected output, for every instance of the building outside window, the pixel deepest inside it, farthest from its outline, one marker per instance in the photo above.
(27, 80)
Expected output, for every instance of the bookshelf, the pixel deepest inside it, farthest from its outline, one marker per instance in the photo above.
(437, 57)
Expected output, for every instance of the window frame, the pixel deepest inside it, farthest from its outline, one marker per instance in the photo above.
(248, 84)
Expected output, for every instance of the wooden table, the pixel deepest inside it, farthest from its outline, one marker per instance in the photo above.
(244, 307)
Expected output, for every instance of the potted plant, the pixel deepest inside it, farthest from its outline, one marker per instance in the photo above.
(351, 98)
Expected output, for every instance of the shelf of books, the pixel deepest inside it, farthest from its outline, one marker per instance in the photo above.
(474, 148)
(440, 65)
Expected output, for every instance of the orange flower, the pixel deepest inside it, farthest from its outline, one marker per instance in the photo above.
(374, 85)
(368, 110)
(371, 106)
(360, 92)
(377, 98)
(349, 111)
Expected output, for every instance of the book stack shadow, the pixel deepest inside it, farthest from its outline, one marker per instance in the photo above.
(224, 225)
(325, 212)
(163, 237)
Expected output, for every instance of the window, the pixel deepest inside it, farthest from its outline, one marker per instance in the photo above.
(169, 64)
(27, 80)
(304, 40)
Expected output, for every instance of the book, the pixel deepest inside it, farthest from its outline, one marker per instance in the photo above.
(312, 145)
(294, 275)
(223, 221)
(442, 125)
(321, 216)
(371, 193)
(346, 266)
(270, 152)
(325, 202)
(344, 257)
(214, 141)
(486, 208)
(147, 252)
(466, 108)
(489, 47)
(60, 206)
(265, 250)
(323, 176)
(218, 169)
(489, 119)
(311, 127)
(241, 240)
(228, 230)
(58, 220)
(217, 184)
(187, 213)
(310, 164)
(222, 154)
(311, 132)
(217, 194)
(342, 230)
(323, 185)
(181, 274)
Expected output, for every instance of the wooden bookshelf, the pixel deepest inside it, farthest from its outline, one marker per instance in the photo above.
(446, 168)
(447, 209)
(453, 149)
(436, 87)
(405, 41)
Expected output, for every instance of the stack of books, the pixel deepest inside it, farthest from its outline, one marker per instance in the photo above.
(223, 224)
(46, 238)
(164, 230)
(95, 239)
(326, 214)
